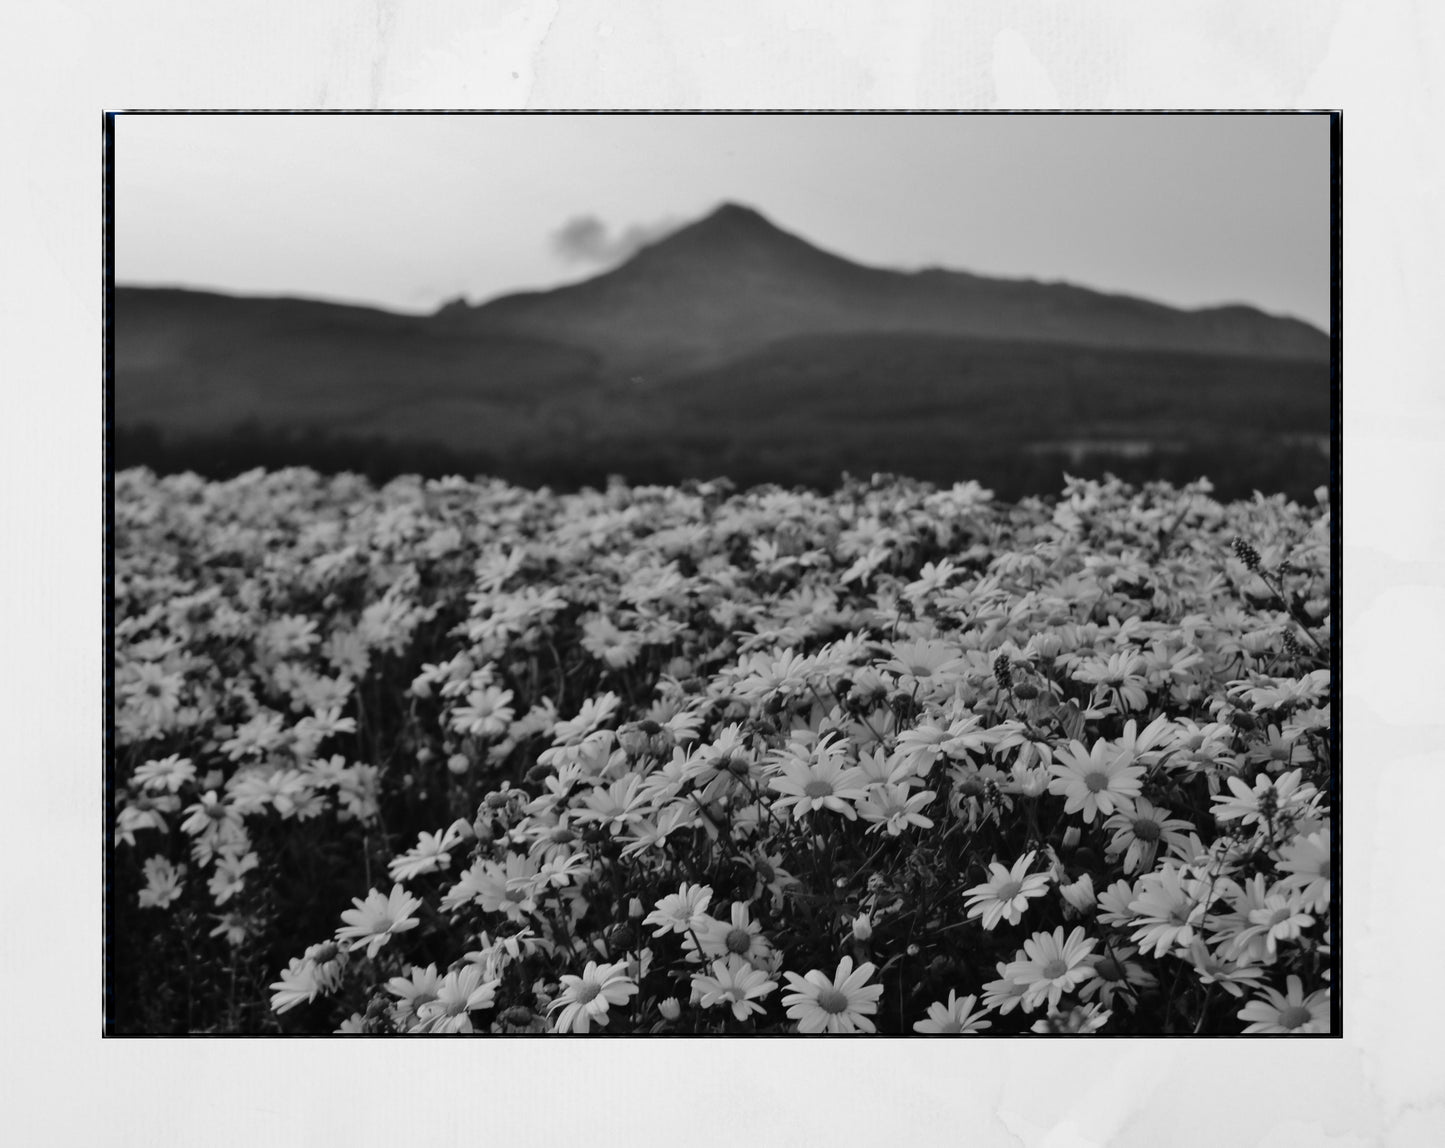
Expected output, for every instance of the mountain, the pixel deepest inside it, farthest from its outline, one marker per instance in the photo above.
(198, 362)
(729, 346)
(734, 283)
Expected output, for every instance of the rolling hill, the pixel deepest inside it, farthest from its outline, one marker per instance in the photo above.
(729, 346)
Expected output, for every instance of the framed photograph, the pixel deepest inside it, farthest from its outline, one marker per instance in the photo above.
(720, 574)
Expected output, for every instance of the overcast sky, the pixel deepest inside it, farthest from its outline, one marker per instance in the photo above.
(407, 211)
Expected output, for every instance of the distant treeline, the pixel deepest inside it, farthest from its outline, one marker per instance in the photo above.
(1236, 466)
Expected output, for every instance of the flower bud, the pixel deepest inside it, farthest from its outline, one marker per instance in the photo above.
(1246, 554)
(670, 1008)
(457, 763)
(1048, 646)
(634, 909)
(1072, 836)
(862, 928)
(1080, 895)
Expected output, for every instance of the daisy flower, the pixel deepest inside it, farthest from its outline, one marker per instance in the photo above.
(457, 995)
(1214, 969)
(1307, 861)
(153, 693)
(891, 807)
(229, 877)
(1115, 975)
(414, 990)
(1052, 966)
(1079, 1020)
(1278, 751)
(840, 1005)
(740, 936)
(1137, 834)
(1079, 896)
(764, 674)
(922, 661)
(1280, 918)
(616, 805)
(1120, 678)
(1166, 909)
(1289, 1012)
(487, 713)
(1114, 903)
(298, 984)
(607, 642)
(145, 812)
(1097, 781)
(681, 911)
(374, 921)
(169, 773)
(552, 835)
(733, 982)
(586, 999)
(932, 578)
(953, 1017)
(214, 823)
(1003, 995)
(1268, 797)
(234, 927)
(163, 883)
(823, 782)
(593, 713)
(430, 853)
(1006, 896)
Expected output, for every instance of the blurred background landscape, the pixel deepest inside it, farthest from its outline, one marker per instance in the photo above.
(724, 344)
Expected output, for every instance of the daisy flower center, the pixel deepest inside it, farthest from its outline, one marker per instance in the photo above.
(1008, 890)
(562, 835)
(587, 992)
(1147, 829)
(1293, 1016)
(1109, 970)
(1096, 781)
(1279, 917)
(1055, 969)
(818, 788)
(831, 1000)
(739, 941)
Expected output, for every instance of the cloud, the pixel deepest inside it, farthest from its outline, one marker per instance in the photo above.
(586, 239)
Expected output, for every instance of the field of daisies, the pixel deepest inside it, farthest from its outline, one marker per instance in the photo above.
(451, 757)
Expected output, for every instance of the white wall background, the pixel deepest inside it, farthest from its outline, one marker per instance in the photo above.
(1378, 60)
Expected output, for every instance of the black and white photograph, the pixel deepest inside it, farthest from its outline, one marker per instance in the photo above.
(723, 574)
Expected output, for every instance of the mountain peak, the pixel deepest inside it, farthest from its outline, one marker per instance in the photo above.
(735, 221)
(736, 212)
